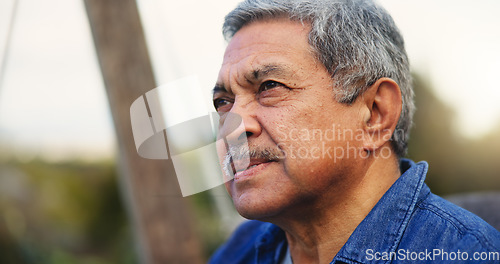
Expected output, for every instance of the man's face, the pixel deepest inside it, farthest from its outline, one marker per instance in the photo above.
(292, 121)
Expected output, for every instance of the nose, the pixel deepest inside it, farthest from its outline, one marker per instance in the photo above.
(240, 123)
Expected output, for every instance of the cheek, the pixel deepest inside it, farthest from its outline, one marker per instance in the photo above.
(313, 153)
(309, 157)
(221, 149)
(228, 186)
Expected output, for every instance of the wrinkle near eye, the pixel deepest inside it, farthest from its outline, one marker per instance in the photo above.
(278, 96)
(267, 85)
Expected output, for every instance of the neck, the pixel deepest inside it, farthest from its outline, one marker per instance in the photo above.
(317, 232)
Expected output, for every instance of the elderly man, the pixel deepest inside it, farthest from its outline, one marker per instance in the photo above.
(323, 90)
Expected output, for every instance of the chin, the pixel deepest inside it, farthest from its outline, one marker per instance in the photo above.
(257, 207)
(262, 214)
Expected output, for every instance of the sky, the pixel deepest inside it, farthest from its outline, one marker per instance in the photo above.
(53, 101)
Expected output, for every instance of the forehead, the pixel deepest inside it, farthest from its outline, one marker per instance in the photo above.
(269, 42)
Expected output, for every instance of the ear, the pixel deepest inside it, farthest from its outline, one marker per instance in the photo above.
(382, 102)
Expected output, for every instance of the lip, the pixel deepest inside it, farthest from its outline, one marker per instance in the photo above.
(241, 165)
(248, 173)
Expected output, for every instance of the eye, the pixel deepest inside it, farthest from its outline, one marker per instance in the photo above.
(219, 103)
(268, 85)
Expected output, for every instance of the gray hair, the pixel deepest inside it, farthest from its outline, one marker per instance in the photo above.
(356, 40)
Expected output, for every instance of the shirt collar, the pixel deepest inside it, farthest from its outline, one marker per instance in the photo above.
(271, 245)
(383, 227)
(380, 231)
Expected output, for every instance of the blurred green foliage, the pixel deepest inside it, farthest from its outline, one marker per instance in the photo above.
(208, 222)
(72, 212)
(67, 212)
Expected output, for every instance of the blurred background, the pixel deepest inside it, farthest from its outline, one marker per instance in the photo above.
(61, 197)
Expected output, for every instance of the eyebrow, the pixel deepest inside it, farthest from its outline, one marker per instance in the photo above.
(258, 74)
(219, 88)
(269, 69)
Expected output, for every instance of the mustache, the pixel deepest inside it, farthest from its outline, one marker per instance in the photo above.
(242, 152)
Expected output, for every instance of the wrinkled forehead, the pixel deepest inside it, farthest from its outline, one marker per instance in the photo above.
(269, 28)
(268, 42)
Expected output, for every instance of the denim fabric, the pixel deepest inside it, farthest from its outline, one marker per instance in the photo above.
(408, 225)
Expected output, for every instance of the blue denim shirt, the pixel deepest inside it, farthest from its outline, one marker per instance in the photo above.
(408, 224)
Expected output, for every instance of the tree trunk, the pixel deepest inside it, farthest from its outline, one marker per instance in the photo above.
(162, 225)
